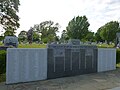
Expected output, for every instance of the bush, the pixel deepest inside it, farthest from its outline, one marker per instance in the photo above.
(118, 56)
(2, 78)
(2, 61)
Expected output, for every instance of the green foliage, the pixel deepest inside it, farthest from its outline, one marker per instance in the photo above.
(47, 30)
(36, 36)
(109, 30)
(1, 44)
(90, 36)
(97, 36)
(2, 77)
(64, 36)
(78, 27)
(2, 61)
(1, 38)
(8, 17)
(118, 56)
(22, 36)
(9, 33)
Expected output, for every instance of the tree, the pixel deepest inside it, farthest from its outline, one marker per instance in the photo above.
(8, 17)
(1, 38)
(90, 36)
(48, 30)
(30, 35)
(36, 36)
(78, 27)
(9, 33)
(109, 30)
(22, 36)
(64, 36)
(97, 36)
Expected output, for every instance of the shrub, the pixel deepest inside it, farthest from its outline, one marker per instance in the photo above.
(2, 77)
(2, 61)
(118, 56)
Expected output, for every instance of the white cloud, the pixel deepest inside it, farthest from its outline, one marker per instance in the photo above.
(98, 12)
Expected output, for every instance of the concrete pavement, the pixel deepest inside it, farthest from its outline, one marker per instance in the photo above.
(97, 81)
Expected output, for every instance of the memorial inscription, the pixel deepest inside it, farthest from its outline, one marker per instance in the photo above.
(71, 59)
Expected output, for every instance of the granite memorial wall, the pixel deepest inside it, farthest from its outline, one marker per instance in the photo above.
(69, 60)
(24, 65)
(57, 60)
(106, 59)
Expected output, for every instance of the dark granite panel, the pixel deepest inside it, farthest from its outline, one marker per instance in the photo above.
(75, 61)
(78, 56)
(67, 59)
(95, 59)
(59, 64)
(82, 58)
(50, 63)
(88, 62)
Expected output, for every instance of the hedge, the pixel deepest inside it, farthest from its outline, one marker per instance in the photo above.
(2, 61)
(118, 56)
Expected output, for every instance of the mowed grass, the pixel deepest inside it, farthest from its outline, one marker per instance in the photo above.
(118, 65)
(32, 45)
(105, 46)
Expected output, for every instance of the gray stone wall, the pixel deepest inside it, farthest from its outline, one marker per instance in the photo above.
(106, 59)
(24, 65)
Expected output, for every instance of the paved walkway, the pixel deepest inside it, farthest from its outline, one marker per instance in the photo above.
(97, 81)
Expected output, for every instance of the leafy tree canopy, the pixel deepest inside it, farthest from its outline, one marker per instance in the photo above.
(109, 30)
(78, 27)
(90, 36)
(97, 36)
(8, 15)
(47, 30)
(64, 36)
(22, 36)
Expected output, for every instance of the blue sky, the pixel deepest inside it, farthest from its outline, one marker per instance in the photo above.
(98, 12)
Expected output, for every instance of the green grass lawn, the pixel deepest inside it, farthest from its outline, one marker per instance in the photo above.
(118, 65)
(105, 46)
(29, 45)
(32, 46)
(44, 45)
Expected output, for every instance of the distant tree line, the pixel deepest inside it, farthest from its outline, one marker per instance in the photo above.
(78, 28)
(44, 32)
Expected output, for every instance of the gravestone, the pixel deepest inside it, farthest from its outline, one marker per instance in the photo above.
(11, 41)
